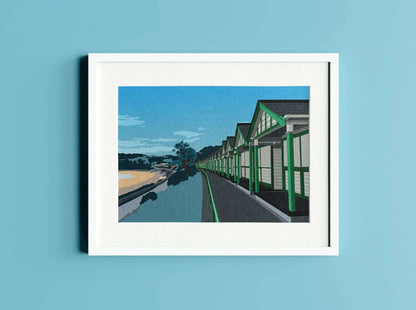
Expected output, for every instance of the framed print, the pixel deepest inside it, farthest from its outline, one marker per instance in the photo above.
(213, 154)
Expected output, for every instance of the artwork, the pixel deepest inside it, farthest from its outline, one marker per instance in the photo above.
(213, 154)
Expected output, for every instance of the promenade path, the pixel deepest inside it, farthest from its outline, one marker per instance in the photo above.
(235, 205)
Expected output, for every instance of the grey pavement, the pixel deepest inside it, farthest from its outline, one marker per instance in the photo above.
(234, 205)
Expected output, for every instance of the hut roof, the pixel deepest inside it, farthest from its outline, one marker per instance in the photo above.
(231, 140)
(244, 128)
(287, 107)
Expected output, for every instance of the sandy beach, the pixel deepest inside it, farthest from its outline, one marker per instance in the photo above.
(130, 180)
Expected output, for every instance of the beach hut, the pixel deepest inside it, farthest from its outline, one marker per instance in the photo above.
(218, 160)
(211, 161)
(224, 156)
(214, 160)
(279, 140)
(230, 156)
(242, 156)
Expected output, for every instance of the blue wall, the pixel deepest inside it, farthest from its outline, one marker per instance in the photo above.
(42, 266)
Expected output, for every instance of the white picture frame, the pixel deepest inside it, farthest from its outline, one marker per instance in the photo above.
(106, 236)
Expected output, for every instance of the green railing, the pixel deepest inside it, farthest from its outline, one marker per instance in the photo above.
(214, 209)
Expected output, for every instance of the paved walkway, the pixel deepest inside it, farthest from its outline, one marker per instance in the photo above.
(234, 205)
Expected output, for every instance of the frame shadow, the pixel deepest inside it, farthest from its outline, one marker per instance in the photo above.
(83, 153)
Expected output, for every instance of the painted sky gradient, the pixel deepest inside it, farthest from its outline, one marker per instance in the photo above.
(153, 119)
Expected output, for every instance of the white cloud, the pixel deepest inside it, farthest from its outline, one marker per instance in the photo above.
(200, 128)
(164, 140)
(149, 150)
(191, 139)
(143, 146)
(187, 134)
(128, 120)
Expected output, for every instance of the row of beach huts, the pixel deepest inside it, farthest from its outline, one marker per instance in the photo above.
(269, 157)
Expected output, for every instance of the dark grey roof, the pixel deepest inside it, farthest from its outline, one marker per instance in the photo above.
(286, 107)
(231, 141)
(245, 128)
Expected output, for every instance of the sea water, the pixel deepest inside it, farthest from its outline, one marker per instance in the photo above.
(178, 203)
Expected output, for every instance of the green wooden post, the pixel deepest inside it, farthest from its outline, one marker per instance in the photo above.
(235, 167)
(228, 167)
(225, 167)
(250, 166)
(256, 169)
(271, 165)
(290, 172)
(220, 172)
(220, 166)
(238, 166)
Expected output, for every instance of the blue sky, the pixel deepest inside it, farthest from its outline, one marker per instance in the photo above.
(152, 119)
